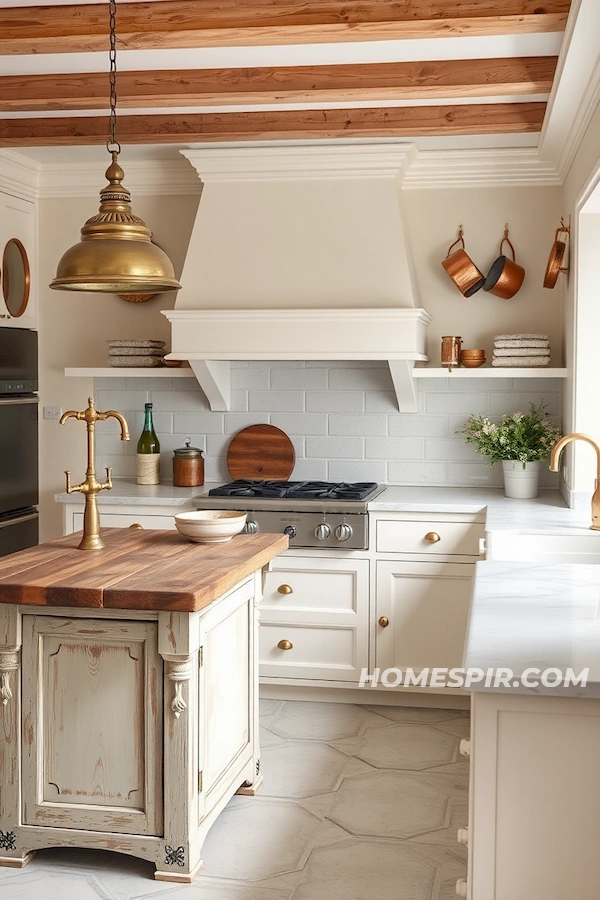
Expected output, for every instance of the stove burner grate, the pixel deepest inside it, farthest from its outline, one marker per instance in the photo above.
(296, 490)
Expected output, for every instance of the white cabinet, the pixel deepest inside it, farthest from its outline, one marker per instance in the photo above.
(127, 730)
(315, 618)
(422, 612)
(424, 574)
(18, 249)
(100, 680)
(535, 797)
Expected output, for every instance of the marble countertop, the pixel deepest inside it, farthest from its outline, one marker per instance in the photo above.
(548, 513)
(538, 615)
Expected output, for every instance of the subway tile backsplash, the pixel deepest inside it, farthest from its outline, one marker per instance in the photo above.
(341, 417)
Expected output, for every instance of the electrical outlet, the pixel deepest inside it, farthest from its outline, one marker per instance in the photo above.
(52, 412)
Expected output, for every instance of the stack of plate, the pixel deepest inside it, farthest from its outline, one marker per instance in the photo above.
(141, 354)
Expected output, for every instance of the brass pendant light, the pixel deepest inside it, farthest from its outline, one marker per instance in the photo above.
(115, 254)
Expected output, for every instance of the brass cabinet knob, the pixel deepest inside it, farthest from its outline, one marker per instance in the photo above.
(384, 621)
(137, 525)
(285, 589)
(433, 537)
(285, 645)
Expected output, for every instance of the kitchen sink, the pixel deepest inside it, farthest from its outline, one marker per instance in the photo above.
(548, 548)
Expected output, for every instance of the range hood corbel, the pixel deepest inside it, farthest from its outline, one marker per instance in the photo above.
(209, 339)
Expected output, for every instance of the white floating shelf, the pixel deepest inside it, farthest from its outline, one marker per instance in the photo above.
(133, 372)
(489, 372)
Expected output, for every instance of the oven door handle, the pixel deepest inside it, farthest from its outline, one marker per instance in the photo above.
(28, 518)
(13, 401)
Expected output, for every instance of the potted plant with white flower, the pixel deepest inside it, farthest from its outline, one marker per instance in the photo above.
(519, 441)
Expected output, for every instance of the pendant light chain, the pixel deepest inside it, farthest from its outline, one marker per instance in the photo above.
(112, 143)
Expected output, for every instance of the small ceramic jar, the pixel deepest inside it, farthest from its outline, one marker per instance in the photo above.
(188, 466)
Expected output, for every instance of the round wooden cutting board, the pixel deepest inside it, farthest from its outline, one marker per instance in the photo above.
(261, 452)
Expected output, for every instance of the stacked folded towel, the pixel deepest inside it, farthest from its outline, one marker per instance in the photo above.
(527, 350)
(140, 354)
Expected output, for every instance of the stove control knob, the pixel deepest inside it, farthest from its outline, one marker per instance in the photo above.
(343, 532)
(251, 527)
(290, 530)
(322, 531)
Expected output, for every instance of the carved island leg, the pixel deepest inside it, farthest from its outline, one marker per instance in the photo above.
(251, 786)
(11, 853)
(179, 859)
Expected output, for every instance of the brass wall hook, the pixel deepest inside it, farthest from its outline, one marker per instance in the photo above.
(91, 487)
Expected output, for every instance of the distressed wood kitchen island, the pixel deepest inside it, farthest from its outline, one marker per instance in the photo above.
(129, 689)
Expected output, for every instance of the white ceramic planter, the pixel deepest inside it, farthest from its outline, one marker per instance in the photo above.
(521, 483)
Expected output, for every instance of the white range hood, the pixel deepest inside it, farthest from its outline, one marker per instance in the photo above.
(299, 252)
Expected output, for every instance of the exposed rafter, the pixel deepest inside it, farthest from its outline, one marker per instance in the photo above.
(292, 124)
(203, 87)
(66, 28)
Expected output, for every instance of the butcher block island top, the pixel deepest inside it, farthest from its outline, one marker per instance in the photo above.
(145, 570)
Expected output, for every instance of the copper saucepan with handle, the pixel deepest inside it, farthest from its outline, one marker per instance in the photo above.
(557, 255)
(505, 276)
(461, 269)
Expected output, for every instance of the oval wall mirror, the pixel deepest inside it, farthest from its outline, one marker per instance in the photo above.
(15, 277)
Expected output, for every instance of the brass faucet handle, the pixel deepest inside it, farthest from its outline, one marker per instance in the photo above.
(72, 488)
(108, 483)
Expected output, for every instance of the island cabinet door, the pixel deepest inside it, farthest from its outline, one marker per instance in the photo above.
(421, 615)
(228, 693)
(92, 724)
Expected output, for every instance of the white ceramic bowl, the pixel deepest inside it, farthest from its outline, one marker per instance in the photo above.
(210, 526)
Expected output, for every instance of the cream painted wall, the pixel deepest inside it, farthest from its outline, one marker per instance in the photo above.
(533, 214)
(73, 329)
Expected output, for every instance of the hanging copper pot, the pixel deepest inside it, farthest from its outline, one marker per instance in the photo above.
(505, 276)
(461, 269)
(557, 255)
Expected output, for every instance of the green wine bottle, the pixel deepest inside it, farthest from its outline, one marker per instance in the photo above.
(148, 452)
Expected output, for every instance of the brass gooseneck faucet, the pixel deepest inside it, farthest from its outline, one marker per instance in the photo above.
(91, 487)
(554, 456)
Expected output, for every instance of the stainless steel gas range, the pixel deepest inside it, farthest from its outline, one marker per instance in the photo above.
(312, 513)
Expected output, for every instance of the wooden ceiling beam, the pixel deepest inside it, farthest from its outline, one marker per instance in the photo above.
(379, 81)
(413, 121)
(65, 28)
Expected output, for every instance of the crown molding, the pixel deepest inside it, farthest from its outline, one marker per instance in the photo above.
(19, 175)
(142, 177)
(576, 90)
(414, 169)
(292, 161)
(585, 111)
(480, 168)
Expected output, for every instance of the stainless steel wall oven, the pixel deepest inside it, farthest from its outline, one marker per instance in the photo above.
(18, 439)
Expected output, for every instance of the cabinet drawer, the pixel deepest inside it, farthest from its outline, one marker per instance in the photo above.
(301, 584)
(335, 654)
(455, 538)
(114, 520)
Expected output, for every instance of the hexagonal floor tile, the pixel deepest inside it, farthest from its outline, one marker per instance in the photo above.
(372, 870)
(300, 769)
(258, 840)
(395, 805)
(407, 747)
(358, 870)
(51, 885)
(320, 721)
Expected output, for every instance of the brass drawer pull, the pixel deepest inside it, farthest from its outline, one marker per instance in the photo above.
(285, 589)
(433, 537)
(384, 621)
(285, 645)
(137, 525)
